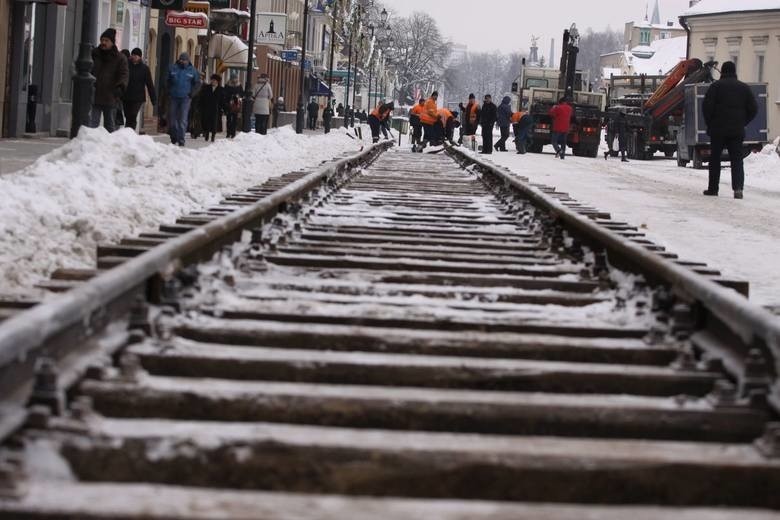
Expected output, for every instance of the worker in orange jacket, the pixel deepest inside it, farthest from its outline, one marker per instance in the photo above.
(429, 117)
(448, 123)
(414, 122)
(521, 126)
(377, 117)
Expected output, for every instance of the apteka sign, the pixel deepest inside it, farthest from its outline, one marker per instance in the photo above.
(271, 28)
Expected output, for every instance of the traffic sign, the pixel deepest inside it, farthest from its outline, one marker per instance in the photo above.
(290, 55)
(306, 64)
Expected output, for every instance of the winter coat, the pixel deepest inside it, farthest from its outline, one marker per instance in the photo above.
(139, 83)
(504, 113)
(262, 94)
(111, 75)
(233, 97)
(488, 114)
(430, 113)
(729, 106)
(382, 111)
(327, 114)
(211, 101)
(471, 116)
(183, 80)
(414, 115)
(340, 110)
(313, 109)
(561, 115)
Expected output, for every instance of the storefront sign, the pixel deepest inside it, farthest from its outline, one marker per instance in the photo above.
(197, 7)
(271, 28)
(186, 20)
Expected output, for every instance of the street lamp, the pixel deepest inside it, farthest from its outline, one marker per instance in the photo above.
(247, 105)
(370, 66)
(334, 21)
(383, 16)
(299, 114)
(354, 88)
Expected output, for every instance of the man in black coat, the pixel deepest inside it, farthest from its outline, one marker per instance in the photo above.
(487, 120)
(111, 75)
(139, 83)
(729, 106)
(313, 109)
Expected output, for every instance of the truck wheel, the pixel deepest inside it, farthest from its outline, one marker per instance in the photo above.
(593, 152)
(668, 154)
(682, 163)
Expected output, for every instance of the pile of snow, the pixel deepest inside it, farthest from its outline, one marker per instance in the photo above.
(101, 187)
(765, 165)
(729, 6)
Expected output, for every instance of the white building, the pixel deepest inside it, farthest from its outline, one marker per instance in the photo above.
(747, 33)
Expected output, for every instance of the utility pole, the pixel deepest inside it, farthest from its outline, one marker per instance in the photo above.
(355, 87)
(83, 80)
(299, 114)
(332, 49)
(247, 106)
(370, 65)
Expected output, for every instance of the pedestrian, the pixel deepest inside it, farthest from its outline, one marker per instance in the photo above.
(487, 120)
(504, 121)
(279, 107)
(429, 117)
(119, 119)
(621, 129)
(415, 124)
(729, 106)
(340, 110)
(470, 119)
(111, 75)
(234, 94)
(194, 123)
(262, 94)
(376, 119)
(140, 82)
(521, 126)
(561, 115)
(327, 117)
(312, 110)
(183, 82)
(212, 103)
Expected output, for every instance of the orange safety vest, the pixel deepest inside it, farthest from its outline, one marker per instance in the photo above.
(430, 113)
(445, 114)
(517, 116)
(471, 110)
(379, 113)
(416, 110)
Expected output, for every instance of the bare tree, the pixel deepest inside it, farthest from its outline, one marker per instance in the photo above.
(419, 54)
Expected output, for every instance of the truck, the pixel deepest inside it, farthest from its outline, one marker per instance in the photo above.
(693, 143)
(654, 107)
(628, 94)
(540, 92)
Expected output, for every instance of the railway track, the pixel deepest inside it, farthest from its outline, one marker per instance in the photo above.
(422, 336)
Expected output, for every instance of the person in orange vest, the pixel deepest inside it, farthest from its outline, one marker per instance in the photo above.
(449, 122)
(414, 122)
(429, 117)
(521, 124)
(377, 117)
(470, 118)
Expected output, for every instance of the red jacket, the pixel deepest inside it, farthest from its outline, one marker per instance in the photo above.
(561, 118)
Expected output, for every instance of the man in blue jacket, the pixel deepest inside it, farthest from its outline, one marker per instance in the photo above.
(183, 82)
(504, 121)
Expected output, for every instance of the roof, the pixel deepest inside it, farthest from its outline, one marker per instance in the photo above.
(666, 54)
(705, 7)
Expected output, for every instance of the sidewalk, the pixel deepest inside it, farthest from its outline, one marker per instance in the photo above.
(18, 153)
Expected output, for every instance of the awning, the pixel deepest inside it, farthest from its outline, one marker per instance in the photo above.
(322, 90)
(228, 48)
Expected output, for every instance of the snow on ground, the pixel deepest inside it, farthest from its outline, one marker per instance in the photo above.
(101, 187)
(739, 237)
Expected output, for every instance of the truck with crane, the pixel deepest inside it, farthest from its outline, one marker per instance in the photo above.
(539, 88)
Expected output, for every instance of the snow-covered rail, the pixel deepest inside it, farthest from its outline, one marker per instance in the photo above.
(394, 343)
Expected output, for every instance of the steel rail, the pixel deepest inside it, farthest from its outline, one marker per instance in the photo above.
(751, 323)
(22, 335)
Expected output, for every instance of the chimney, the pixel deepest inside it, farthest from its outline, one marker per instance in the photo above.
(552, 52)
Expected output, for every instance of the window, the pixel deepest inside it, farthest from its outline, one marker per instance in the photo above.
(536, 83)
(735, 59)
(760, 68)
(644, 37)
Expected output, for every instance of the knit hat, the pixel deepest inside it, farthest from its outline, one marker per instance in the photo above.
(728, 69)
(136, 52)
(184, 57)
(110, 34)
(471, 96)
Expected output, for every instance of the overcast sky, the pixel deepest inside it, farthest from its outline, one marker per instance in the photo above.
(507, 25)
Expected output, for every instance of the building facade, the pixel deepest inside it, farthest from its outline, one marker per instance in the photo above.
(749, 38)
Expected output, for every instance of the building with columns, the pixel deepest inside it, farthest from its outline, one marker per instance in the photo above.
(747, 33)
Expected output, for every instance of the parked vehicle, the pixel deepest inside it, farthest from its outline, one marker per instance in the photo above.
(693, 144)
